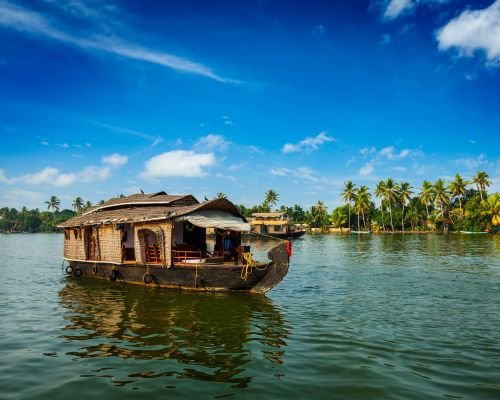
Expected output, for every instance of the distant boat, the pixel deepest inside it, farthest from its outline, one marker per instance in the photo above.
(275, 224)
(360, 232)
(473, 233)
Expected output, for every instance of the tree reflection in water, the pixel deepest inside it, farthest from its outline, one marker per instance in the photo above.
(211, 336)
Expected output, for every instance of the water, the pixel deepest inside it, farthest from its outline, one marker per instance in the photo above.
(369, 317)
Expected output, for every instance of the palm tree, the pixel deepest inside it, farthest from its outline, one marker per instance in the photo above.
(348, 196)
(338, 218)
(87, 205)
(78, 204)
(318, 214)
(404, 196)
(426, 195)
(481, 181)
(271, 198)
(220, 195)
(441, 195)
(380, 192)
(391, 189)
(362, 203)
(53, 203)
(457, 189)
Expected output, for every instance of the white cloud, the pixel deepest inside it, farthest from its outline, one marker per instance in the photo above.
(301, 173)
(474, 30)
(64, 180)
(308, 144)
(391, 153)
(115, 160)
(367, 169)
(54, 177)
(4, 179)
(92, 173)
(471, 163)
(235, 167)
(280, 171)
(47, 175)
(213, 142)
(16, 197)
(367, 150)
(399, 169)
(397, 7)
(22, 19)
(178, 163)
(228, 177)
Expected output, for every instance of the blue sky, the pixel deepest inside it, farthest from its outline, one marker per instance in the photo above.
(99, 98)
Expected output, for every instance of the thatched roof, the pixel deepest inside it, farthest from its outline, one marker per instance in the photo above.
(143, 208)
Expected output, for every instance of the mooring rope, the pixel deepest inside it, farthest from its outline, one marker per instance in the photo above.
(249, 266)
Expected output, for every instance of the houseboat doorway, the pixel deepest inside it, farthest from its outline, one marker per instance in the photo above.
(91, 243)
(128, 240)
(153, 254)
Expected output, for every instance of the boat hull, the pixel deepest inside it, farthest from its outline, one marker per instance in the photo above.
(288, 235)
(260, 277)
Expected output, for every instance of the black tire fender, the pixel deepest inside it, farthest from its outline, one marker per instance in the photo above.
(148, 278)
(69, 269)
(114, 275)
(77, 272)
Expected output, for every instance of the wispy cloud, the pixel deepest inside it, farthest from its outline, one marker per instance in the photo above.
(133, 132)
(472, 163)
(474, 30)
(301, 173)
(25, 20)
(227, 120)
(51, 176)
(397, 7)
(308, 144)
(182, 163)
(115, 160)
(367, 169)
(212, 141)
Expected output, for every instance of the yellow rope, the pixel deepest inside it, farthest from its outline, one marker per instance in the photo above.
(250, 265)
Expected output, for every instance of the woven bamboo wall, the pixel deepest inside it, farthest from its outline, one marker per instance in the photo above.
(110, 248)
(163, 229)
(74, 244)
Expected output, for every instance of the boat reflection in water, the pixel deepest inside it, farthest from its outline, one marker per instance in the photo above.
(169, 334)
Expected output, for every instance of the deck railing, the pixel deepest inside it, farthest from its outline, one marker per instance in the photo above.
(187, 255)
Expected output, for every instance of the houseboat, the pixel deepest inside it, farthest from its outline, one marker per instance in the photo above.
(275, 224)
(160, 240)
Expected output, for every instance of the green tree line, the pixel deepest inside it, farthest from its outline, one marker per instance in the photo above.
(459, 204)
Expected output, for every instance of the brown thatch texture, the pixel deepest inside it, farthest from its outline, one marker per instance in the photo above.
(147, 212)
(110, 244)
(160, 198)
(74, 244)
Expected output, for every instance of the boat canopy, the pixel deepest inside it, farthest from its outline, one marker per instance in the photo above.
(216, 219)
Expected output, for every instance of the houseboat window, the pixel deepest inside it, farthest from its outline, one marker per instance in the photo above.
(263, 229)
(278, 228)
(67, 234)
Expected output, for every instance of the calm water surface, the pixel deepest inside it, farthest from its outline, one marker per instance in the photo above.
(369, 317)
